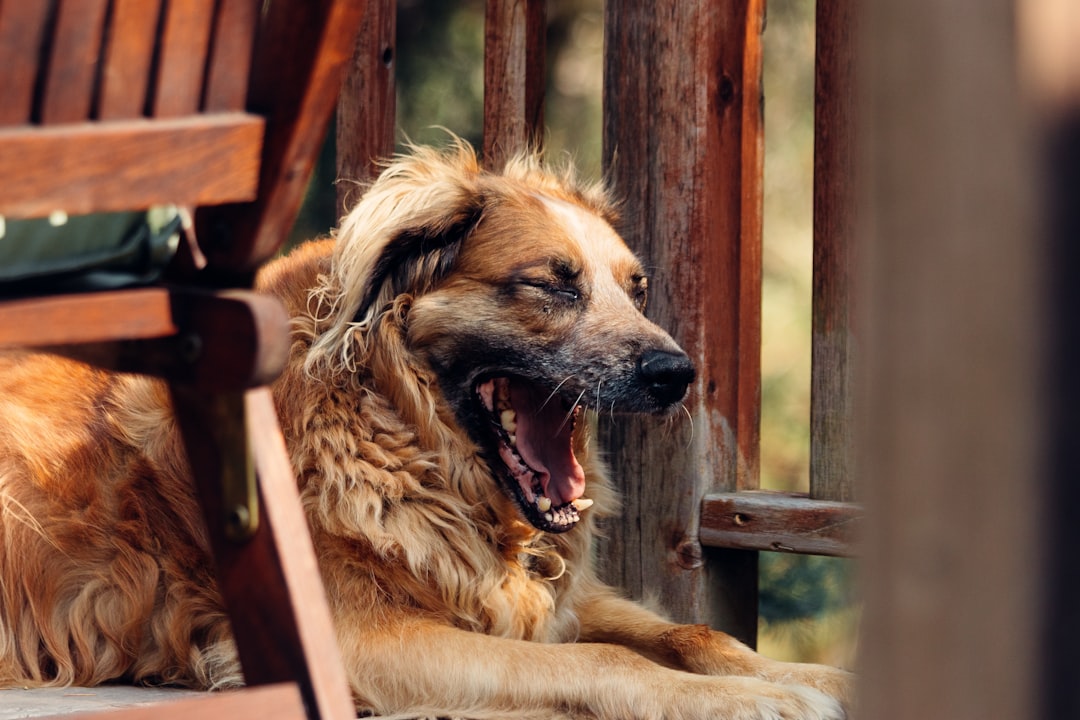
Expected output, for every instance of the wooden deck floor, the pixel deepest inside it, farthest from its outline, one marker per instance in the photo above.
(18, 703)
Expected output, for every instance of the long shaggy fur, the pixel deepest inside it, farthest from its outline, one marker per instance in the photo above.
(446, 597)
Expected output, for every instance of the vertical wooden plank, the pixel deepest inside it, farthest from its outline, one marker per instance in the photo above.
(833, 346)
(366, 111)
(22, 29)
(185, 41)
(1049, 44)
(1060, 631)
(751, 220)
(952, 425)
(514, 57)
(229, 65)
(128, 58)
(72, 66)
(297, 97)
(682, 143)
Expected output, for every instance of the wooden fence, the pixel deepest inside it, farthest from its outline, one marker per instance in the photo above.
(683, 143)
(969, 339)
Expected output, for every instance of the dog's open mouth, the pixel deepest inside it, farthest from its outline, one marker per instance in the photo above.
(533, 433)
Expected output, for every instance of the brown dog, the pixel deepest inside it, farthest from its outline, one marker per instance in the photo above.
(444, 345)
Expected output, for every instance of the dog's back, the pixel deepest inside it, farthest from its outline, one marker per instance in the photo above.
(103, 573)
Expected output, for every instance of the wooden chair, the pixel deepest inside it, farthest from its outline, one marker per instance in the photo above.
(218, 107)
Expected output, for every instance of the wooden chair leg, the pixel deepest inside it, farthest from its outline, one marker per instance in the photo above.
(270, 580)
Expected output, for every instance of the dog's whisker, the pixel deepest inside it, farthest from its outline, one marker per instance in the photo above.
(555, 392)
(570, 414)
(689, 417)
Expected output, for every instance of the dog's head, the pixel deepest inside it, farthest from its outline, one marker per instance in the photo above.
(522, 301)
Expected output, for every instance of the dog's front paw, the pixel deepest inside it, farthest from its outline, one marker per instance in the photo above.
(796, 702)
(743, 698)
(836, 683)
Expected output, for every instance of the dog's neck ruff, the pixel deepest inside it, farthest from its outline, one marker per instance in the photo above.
(534, 434)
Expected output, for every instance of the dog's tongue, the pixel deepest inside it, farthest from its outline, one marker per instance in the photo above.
(544, 442)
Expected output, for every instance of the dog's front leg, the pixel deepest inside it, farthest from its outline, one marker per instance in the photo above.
(413, 667)
(607, 618)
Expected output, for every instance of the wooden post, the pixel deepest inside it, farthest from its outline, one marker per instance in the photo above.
(514, 56)
(832, 354)
(683, 145)
(367, 106)
(953, 422)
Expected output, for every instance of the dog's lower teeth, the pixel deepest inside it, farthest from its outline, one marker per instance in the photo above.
(582, 503)
(543, 503)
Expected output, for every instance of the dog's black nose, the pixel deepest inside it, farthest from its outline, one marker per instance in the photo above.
(665, 375)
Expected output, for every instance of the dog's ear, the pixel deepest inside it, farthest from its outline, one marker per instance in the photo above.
(419, 254)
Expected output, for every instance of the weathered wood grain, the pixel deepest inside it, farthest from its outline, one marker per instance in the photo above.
(834, 344)
(366, 110)
(683, 145)
(514, 77)
(777, 522)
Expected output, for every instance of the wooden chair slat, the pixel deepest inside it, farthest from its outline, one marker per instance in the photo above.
(243, 336)
(128, 59)
(202, 160)
(22, 28)
(185, 43)
(514, 49)
(70, 80)
(230, 55)
(296, 127)
(96, 317)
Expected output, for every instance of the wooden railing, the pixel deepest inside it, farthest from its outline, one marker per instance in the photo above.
(684, 146)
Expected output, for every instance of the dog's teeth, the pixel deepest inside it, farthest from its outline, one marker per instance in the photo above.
(513, 439)
(543, 503)
(582, 503)
(508, 419)
(549, 517)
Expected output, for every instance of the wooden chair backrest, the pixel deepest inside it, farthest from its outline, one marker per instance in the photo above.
(103, 111)
(125, 104)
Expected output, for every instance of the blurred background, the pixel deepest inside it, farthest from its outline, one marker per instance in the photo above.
(808, 611)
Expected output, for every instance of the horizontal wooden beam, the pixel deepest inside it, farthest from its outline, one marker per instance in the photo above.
(122, 165)
(757, 520)
(213, 341)
(137, 314)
